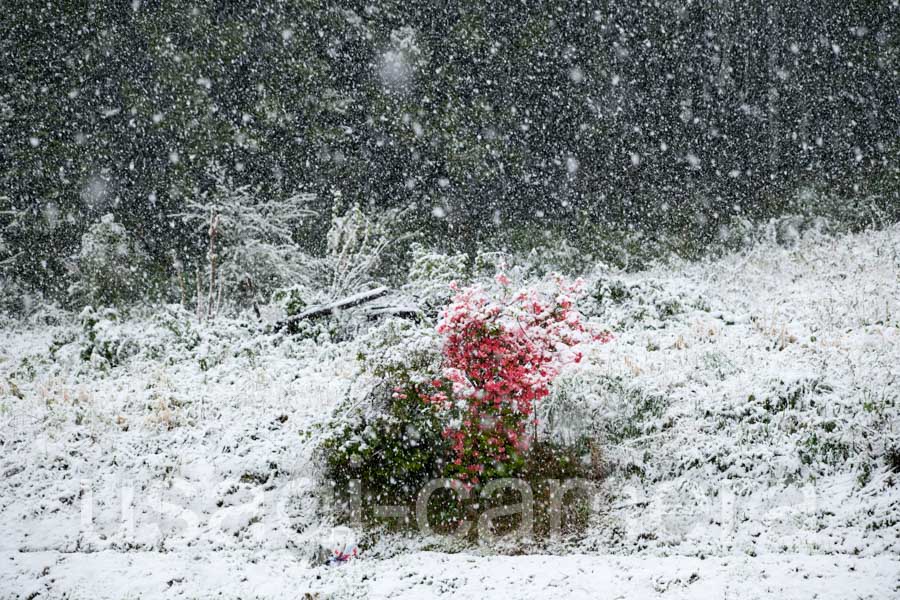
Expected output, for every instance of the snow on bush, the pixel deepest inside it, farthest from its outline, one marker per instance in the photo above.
(431, 275)
(462, 395)
(110, 265)
(250, 241)
(355, 245)
(501, 355)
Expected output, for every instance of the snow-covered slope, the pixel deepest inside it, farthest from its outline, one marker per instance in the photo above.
(748, 409)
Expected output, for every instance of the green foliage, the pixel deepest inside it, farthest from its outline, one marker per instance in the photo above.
(293, 300)
(99, 344)
(641, 302)
(542, 247)
(393, 454)
(481, 116)
(111, 266)
(614, 291)
(181, 327)
(322, 329)
(826, 447)
(547, 462)
(431, 273)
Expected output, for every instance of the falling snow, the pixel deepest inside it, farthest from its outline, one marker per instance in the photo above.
(227, 233)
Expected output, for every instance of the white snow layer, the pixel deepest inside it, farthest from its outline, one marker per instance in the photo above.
(747, 408)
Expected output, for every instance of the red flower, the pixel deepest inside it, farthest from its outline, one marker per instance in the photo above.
(499, 358)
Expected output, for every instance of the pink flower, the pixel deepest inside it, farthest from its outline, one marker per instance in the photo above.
(501, 356)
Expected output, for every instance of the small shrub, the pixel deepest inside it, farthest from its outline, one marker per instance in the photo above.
(467, 416)
(393, 452)
(431, 275)
(292, 300)
(400, 351)
(106, 341)
(614, 291)
(102, 345)
(180, 326)
(634, 303)
(110, 266)
(892, 458)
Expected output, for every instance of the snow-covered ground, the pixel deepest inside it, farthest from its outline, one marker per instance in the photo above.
(255, 574)
(748, 410)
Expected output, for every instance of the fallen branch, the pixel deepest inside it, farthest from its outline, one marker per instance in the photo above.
(327, 309)
(406, 311)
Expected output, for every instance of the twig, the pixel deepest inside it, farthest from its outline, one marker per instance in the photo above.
(213, 226)
(199, 298)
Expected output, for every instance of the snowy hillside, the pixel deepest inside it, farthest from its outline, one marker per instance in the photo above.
(747, 411)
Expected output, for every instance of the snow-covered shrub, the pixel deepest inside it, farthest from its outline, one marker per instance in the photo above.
(632, 304)
(468, 412)
(251, 249)
(354, 249)
(355, 245)
(111, 266)
(292, 300)
(612, 291)
(567, 416)
(106, 340)
(393, 448)
(633, 412)
(490, 264)
(392, 445)
(353, 254)
(432, 273)
(554, 253)
(825, 210)
(338, 327)
(104, 344)
(176, 329)
(400, 351)
(501, 355)
(601, 415)
(736, 235)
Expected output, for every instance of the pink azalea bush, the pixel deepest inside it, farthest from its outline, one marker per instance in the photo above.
(501, 353)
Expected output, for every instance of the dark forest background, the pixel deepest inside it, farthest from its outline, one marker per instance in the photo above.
(486, 121)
